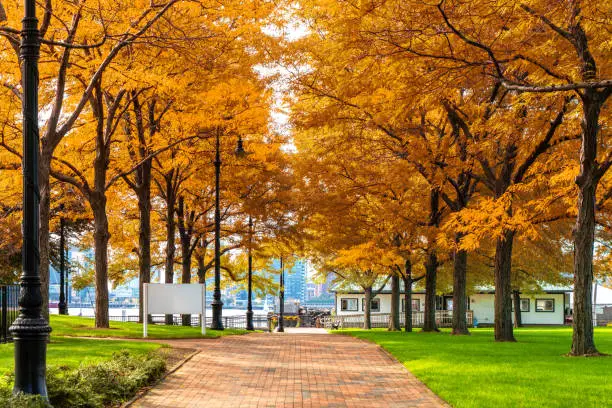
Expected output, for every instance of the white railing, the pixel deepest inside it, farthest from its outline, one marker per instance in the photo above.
(444, 318)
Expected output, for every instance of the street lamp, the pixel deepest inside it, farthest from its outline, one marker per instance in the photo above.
(30, 330)
(249, 313)
(62, 305)
(217, 304)
(281, 299)
(240, 152)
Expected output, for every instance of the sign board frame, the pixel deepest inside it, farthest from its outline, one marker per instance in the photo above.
(179, 299)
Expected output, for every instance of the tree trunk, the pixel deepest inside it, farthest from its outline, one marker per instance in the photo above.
(431, 267)
(201, 270)
(408, 296)
(186, 276)
(44, 212)
(367, 306)
(101, 237)
(516, 298)
(170, 234)
(583, 342)
(201, 273)
(185, 221)
(459, 293)
(394, 321)
(144, 234)
(503, 289)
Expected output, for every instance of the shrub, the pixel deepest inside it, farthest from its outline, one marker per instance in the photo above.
(93, 386)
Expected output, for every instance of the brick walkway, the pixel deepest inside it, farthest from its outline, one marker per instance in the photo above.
(289, 370)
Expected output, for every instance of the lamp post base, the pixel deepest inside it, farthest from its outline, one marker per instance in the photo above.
(62, 309)
(217, 321)
(30, 336)
(249, 320)
(279, 329)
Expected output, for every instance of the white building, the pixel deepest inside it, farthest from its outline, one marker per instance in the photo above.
(549, 307)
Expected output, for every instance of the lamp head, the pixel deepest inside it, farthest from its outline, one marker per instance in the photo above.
(240, 152)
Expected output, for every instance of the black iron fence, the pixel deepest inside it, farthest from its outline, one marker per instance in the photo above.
(260, 322)
(9, 309)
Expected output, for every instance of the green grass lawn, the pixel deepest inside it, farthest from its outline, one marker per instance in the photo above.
(474, 371)
(65, 351)
(84, 327)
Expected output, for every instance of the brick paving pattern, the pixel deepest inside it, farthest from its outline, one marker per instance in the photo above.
(289, 370)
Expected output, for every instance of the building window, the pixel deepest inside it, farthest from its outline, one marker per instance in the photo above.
(416, 305)
(545, 305)
(525, 305)
(349, 304)
(374, 305)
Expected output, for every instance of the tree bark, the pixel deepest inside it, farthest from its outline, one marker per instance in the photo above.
(516, 298)
(141, 185)
(143, 194)
(186, 275)
(583, 342)
(459, 293)
(201, 269)
(367, 309)
(44, 212)
(503, 289)
(170, 233)
(97, 201)
(101, 237)
(394, 321)
(431, 267)
(185, 225)
(408, 296)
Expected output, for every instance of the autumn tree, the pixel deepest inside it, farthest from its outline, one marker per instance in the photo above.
(77, 48)
(510, 51)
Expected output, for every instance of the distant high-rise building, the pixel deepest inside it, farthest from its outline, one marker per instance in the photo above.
(295, 282)
(311, 291)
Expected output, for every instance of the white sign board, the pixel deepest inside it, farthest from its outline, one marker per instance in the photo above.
(170, 298)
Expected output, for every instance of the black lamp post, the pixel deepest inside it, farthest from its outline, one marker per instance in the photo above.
(30, 330)
(281, 299)
(249, 313)
(217, 304)
(62, 305)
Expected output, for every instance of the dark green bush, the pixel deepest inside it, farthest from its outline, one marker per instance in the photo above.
(93, 386)
(21, 400)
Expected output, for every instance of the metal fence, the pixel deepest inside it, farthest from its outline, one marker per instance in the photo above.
(9, 309)
(444, 318)
(602, 315)
(260, 322)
